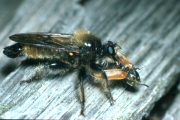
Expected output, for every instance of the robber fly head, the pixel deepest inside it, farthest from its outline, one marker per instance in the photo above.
(113, 51)
(108, 49)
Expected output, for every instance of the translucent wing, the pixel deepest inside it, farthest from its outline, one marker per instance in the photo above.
(53, 40)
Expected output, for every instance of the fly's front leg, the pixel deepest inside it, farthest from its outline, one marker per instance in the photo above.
(97, 67)
(82, 76)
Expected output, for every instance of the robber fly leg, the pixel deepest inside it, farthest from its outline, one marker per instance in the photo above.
(82, 75)
(58, 66)
(37, 76)
(97, 67)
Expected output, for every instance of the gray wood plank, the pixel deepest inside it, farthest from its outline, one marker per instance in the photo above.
(149, 35)
(173, 112)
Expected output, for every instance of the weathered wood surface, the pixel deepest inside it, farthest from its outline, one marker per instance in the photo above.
(173, 113)
(149, 32)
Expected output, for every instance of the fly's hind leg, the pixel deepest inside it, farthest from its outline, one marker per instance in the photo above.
(56, 67)
(97, 67)
(37, 76)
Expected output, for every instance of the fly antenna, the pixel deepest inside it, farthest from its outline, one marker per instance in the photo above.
(144, 85)
(139, 68)
(119, 41)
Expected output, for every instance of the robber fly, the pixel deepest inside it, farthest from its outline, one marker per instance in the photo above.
(81, 50)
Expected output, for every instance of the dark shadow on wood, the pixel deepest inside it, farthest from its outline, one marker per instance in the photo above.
(162, 105)
(9, 67)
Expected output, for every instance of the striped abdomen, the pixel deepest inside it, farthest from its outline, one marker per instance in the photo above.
(36, 52)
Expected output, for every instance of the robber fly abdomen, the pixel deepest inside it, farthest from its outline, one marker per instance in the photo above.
(40, 53)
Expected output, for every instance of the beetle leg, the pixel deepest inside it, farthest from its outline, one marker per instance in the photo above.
(82, 75)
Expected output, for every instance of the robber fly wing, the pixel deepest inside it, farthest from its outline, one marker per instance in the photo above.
(60, 41)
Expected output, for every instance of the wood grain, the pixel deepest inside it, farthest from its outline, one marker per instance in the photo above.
(149, 32)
